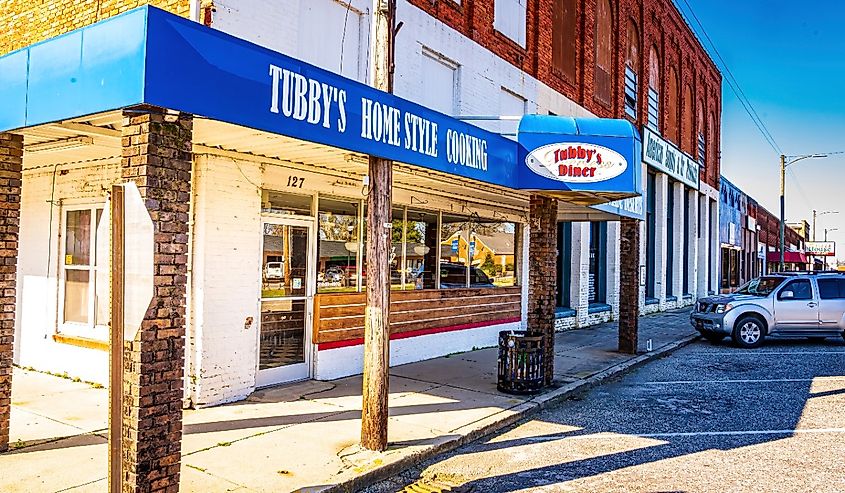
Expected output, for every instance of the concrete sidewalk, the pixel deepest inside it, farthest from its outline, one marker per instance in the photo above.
(303, 437)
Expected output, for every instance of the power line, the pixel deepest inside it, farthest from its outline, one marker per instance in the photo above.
(736, 88)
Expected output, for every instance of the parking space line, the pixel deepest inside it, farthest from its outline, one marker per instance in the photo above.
(744, 380)
(616, 436)
(763, 353)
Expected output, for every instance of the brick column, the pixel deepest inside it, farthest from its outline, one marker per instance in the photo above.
(542, 253)
(629, 284)
(157, 156)
(11, 163)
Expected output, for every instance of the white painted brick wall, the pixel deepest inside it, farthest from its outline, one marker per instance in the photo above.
(38, 300)
(226, 279)
(693, 244)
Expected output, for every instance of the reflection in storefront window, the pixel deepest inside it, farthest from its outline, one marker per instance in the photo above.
(477, 253)
(428, 250)
(338, 246)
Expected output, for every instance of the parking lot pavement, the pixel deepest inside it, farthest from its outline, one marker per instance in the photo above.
(708, 418)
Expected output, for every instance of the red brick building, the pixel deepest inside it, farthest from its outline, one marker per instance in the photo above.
(648, 36)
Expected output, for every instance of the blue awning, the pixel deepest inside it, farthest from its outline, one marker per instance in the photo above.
(149, 56)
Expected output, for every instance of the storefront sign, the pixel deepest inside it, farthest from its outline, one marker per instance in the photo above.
(820, 248)
(666, 158)
(576, 162)
(593, 155)
(150, 57)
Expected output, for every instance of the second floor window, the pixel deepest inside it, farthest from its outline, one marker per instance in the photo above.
(632, 64)
(653, 90)
(630, 92)
(563, 38)
(653, 110)
(509, 19)
(604, 52)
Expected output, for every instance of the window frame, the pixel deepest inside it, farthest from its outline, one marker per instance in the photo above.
(521, 34)
(786, 286)
(840, 288)
(90, 329)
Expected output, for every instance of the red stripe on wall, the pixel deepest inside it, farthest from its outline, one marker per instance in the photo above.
(415, 333)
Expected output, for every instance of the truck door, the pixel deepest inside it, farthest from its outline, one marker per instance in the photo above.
(831, 302)
(796, 306)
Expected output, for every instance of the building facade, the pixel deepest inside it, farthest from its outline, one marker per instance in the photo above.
(472, 59)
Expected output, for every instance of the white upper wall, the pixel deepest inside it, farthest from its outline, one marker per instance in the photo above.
(436, 66)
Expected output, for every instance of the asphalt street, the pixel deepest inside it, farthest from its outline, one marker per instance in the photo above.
(708, 418)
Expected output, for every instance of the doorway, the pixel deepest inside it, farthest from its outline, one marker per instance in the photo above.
(287, 295)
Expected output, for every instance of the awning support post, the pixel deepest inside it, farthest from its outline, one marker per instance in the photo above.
(157, 156)
(11, 164)
(542, 275)
(629, 284)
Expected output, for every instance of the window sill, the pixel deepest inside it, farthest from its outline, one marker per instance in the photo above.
(83, 342)
(671, 298)
(651, 301)
(687, 296)
(564, 312)
(598, 308)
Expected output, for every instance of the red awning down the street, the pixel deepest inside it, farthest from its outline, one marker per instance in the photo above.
(788, 257)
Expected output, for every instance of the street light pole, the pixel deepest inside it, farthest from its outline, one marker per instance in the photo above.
(826, 231)
(783, 165)
(782, 208)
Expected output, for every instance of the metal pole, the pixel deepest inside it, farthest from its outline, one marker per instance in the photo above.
(115, 435)
(782, 208)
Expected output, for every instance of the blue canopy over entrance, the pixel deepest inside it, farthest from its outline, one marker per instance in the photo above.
(149, 56)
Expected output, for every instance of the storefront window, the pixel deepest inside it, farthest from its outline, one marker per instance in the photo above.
(597, 262)
(670, 238)
(477, 253)
(338, 249)
(420, 250)
(85, 301)
(651, 259)
(564, 263)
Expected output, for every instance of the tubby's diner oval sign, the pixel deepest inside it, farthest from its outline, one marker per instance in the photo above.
(576, 162)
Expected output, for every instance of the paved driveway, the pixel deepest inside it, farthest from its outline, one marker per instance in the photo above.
(705, 419)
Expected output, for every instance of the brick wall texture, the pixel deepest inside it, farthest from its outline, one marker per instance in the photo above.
(629, 284)
(24, 22)
(542, 256)
(11, 160)
(660, 26)
(157, 157)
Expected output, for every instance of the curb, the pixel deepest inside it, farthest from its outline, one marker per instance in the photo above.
(491, 424)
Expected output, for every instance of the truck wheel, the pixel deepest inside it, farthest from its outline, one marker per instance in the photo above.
(749, 332)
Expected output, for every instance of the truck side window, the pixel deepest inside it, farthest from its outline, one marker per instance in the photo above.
(800, 288)
(831, 289)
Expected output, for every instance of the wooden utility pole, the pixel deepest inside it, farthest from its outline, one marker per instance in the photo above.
(379, 228)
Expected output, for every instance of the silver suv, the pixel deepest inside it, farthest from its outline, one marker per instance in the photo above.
(805, 304)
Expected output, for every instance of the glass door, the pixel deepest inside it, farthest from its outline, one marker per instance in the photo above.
(286, 300)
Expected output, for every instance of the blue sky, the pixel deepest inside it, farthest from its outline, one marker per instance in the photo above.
(790, 62)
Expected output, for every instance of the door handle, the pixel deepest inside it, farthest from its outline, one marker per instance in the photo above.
(812, 304)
